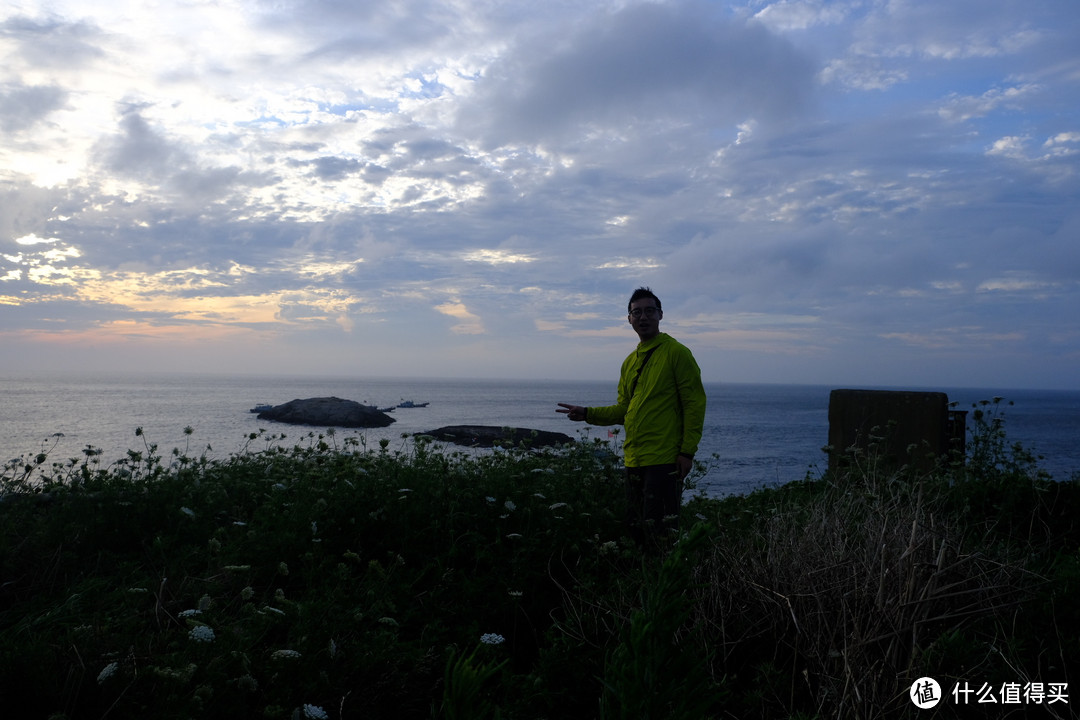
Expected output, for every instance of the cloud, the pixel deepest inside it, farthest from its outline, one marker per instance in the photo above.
(805, 183)
(959, 30)
(33, 239)
(1069, 139)
(469, 324)
(1010, 147)
(335, 168)
(51, 42)
(1015, 284)
(789, 15)
(642, 66)
(898, 42)
(140, 151)
(23, 107)
(498, 257)
(959, 108)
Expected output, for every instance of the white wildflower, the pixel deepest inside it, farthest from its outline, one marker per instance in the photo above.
(492, 639)
(284, 654)
(189, 613)
(509, 505)
(490, 499)
(315, 712)
(247, 593)
(202, 633)
(107, 672)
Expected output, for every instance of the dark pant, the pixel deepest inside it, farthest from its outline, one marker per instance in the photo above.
(653, 498)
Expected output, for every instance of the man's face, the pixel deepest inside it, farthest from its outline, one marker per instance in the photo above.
(645, 318)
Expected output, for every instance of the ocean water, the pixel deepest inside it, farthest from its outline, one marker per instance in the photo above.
(754, 435)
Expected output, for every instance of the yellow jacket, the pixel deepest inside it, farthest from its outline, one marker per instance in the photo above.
(663, 410)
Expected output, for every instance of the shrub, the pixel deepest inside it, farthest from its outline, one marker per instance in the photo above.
(318, 580)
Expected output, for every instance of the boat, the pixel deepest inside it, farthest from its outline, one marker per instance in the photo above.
(411, 404)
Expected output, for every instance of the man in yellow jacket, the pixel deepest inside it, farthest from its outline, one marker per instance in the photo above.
(661, 403)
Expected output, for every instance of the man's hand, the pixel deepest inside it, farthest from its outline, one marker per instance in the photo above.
(574, 412)
(684, 465)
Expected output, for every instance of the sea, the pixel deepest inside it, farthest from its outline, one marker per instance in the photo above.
(755, 435)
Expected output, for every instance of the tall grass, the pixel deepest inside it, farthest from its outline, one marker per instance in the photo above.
(830, 597)
(324, 579)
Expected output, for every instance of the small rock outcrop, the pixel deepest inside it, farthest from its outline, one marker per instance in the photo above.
(489, 436)
(327, 412)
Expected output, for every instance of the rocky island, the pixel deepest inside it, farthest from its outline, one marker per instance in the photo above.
(490, 436)
(327, 412)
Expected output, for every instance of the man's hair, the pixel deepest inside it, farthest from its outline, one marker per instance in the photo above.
(640, 294)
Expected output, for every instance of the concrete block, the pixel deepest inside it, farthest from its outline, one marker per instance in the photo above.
(894, 420)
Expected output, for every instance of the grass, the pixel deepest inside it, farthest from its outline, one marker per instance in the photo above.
(325, 579)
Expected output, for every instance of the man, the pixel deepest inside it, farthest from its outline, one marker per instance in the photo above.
(661, 403)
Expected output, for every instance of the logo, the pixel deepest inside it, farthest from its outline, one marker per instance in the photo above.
(925, 693)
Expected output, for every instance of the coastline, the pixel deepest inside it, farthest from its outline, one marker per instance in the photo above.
(762, 434)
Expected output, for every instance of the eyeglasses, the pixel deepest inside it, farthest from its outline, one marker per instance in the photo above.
(647, 312)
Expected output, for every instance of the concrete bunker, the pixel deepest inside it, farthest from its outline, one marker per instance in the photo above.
(912, 428)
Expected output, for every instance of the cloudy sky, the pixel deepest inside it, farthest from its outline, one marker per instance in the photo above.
(873, 192)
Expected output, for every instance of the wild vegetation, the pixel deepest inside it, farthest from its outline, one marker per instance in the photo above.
(318, 579)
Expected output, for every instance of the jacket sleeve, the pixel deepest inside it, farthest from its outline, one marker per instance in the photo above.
(691, 400)
(613, 414)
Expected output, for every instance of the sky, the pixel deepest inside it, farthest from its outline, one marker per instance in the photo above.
(848, 192)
